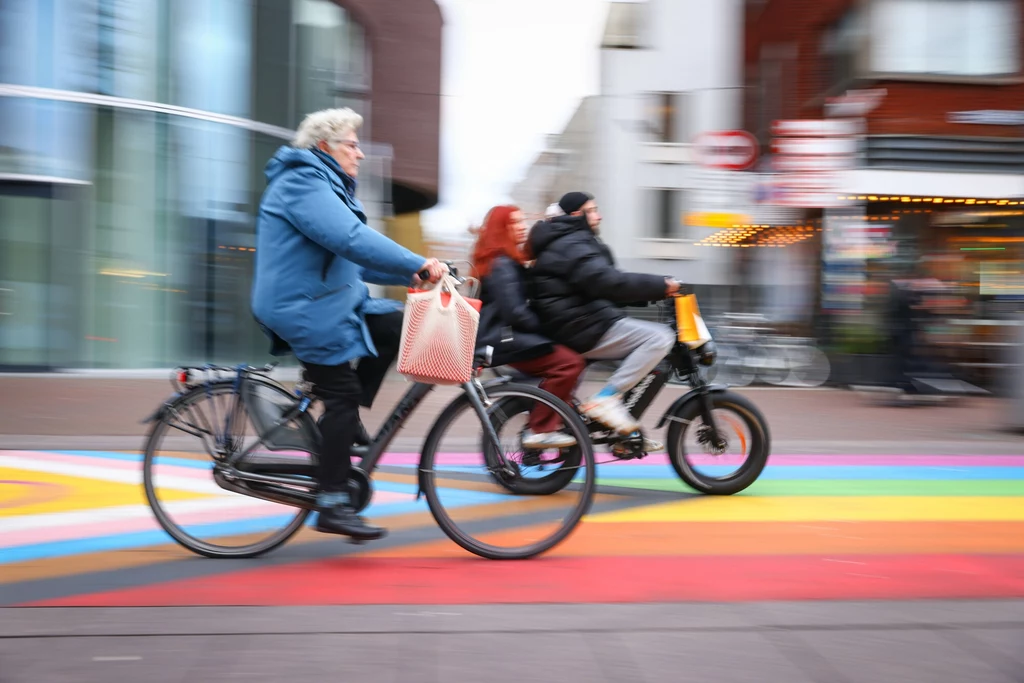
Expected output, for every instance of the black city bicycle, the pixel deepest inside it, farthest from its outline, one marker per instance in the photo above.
(704, 426)
(262, 441)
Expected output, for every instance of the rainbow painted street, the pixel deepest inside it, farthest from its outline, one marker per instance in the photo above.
(75, 530)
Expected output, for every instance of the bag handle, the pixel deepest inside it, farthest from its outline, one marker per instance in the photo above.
(447, 284)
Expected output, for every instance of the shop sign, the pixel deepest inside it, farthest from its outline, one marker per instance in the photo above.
(988, 117)
(708, 219)
(808, 157)
(727, 150)
(816, 127)
(855, 103)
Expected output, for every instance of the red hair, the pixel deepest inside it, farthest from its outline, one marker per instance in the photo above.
(495, 240)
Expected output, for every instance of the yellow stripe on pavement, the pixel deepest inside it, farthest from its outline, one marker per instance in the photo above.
(32, 493)
(825, 508)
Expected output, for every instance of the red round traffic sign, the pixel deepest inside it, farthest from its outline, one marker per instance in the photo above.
(732, 150)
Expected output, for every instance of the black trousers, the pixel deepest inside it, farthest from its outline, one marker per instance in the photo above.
(342, 389)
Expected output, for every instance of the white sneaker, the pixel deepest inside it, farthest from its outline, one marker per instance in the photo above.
(612, 413)
(546, 440)
(650, 446)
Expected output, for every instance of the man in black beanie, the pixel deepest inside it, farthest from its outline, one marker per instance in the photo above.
(577, 293)
(572, 202)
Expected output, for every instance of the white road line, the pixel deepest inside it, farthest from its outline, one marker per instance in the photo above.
(118, 476)
(132, 658)
(121, 513)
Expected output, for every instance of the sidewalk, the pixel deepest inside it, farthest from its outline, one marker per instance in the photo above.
(86, 412)
(828, 642)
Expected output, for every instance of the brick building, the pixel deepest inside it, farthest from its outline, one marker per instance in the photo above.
(936, 187)
(932, 56)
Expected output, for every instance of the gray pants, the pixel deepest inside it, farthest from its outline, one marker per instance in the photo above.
(640, 344)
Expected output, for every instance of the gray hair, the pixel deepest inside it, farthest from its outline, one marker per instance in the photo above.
(327, 125)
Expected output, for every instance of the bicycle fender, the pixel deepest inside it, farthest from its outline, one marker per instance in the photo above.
(692, 395)
(496, 382)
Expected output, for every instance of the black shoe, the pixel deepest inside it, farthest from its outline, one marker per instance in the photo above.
(343, 520)
(361, 437)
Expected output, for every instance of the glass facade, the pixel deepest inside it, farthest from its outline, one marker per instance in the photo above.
(133, 136)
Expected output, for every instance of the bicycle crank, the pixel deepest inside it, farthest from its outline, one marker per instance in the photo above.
(629, 448)
(360, 489)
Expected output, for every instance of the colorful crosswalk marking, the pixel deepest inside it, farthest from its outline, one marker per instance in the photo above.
(811, 527)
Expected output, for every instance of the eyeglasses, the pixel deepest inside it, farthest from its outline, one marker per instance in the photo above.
(351, 144)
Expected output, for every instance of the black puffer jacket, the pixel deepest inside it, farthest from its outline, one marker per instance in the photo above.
(574, 286)
(506, 322)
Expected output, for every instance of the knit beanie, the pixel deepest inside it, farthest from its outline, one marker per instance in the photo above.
(573, 201)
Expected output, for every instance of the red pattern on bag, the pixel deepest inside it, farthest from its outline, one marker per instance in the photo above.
(438, 336)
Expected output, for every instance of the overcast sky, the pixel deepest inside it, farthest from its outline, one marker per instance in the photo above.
(513, 72)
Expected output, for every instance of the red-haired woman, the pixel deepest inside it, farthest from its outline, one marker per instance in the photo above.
(513, 330)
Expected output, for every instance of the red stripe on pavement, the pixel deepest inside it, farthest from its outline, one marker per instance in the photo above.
(351, 581)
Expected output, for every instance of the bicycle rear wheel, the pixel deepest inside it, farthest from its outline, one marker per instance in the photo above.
(195, 434)
(468, 492)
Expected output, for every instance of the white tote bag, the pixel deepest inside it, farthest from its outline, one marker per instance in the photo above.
(439, 334)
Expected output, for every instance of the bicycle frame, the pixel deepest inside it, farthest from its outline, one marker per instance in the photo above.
(680, 360)
(370, 454)
(301, 490)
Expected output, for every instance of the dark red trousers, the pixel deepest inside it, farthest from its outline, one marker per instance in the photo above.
(560, 370)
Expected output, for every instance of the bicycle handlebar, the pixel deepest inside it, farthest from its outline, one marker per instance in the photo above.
(452, 270)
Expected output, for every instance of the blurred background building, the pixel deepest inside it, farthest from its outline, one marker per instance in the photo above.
(887, 141)
(931, 185)
(819, 169)
(133, 136)
(632, 145)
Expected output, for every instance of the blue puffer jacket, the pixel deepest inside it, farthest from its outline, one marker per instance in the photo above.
(314, 251)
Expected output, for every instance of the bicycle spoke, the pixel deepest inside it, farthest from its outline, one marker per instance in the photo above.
(201, 510)
(461, 483)
(205, 435)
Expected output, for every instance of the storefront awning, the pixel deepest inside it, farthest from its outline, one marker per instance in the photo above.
(865, 181)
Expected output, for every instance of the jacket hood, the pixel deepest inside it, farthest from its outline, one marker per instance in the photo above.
(288, 157)
(546, 232)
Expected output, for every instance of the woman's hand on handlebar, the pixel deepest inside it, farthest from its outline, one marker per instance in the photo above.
(431, 271)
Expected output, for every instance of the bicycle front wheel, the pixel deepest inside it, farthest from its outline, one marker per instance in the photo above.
(471, 491)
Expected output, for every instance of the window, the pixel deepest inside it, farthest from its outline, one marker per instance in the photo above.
(974, 38)
(332, 60)
(666, 213)
(839, 48)
(668, 116)
(776, 93)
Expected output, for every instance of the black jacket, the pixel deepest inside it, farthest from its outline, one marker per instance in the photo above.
(506, 321)
(574, 286)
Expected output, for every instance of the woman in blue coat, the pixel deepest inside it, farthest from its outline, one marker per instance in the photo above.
(314, 252)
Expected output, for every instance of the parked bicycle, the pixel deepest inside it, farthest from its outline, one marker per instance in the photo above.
(750, 351)
(705, 426)
(260, 440)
